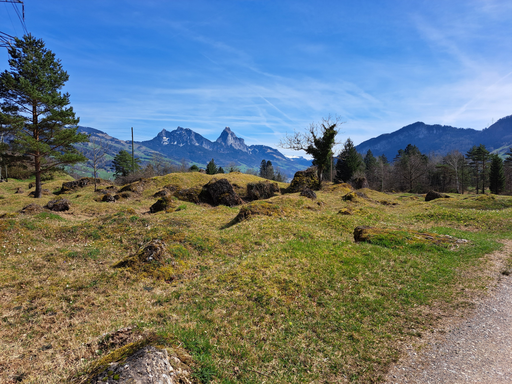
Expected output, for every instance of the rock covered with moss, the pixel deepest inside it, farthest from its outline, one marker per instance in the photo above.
(149, 365)
(219, 192)
(32, 209)
(137, 186)
(156, 259)
(360, 182)
(166, 204)
(354, 196)
(397, 238)
(304, 179)
(70, 186)
(108, 198)
(262, 208)
(58, 205)
(261, 190)
(310, 194)
(432, 195)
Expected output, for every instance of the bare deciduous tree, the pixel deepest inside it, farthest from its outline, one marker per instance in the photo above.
(98, 150)
(454, 160)
(318, 141)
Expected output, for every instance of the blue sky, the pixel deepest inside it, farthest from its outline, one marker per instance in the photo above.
(265, 68)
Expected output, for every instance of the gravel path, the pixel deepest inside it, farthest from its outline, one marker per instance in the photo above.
(476, 350)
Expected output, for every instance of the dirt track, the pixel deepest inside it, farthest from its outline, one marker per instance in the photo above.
(475, 350)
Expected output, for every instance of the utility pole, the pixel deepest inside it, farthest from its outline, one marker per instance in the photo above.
(133, 155)
(331, 167)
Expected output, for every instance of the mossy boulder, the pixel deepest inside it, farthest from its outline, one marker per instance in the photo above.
(387, 202)
(396, 238)
(219, 192)
(190, 195)
(135, 368)
(360, 182)
(166, 203)
(162, 193)
(137, 186)
(486, 198)
(32, 209)
(304, 179)
(71, 186)
(58, 205)
(432, 195)
(169, 189)
(261, 190)
(354, 196)
(345, 211)
(262, 208)
(310, 194)
(156, 259)
(9, 215)
(108, 198)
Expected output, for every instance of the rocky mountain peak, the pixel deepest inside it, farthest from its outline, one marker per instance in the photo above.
(228, 139)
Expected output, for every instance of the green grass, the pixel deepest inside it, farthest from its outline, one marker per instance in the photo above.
(287, 298)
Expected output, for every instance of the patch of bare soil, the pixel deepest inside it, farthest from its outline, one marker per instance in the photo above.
(473, 348)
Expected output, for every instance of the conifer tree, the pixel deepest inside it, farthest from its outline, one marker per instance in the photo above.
(496, 175)
(122, 164)
(263, 169)
(211, 168)
(349, 162)
(34, 110)
(479, 157)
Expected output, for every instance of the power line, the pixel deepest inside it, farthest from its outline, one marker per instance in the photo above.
(5, 39)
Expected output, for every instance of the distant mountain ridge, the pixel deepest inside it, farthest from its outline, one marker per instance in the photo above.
(188, 145)
(184, 143)
(440, 139)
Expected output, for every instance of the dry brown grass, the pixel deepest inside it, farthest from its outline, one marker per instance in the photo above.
(284, 298)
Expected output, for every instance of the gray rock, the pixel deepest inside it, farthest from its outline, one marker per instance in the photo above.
(148, 365)
(219, 192)
(432, 195)
(32, 209)
(306, 192)
(108, 198)
(304, 179)
(360, 182)
(261, 190)
(58, 205)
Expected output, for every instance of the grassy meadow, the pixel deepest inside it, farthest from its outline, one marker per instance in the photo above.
(287, 297)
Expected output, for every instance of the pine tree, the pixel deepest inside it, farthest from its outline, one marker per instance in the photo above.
(370, 163)
(220, 170)
(34, 110)
(479, 157)
(263, 169)
(270, 171)
(122, 164)
(496, 175)
(411, 167)
(349, 162)
(211, 168)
